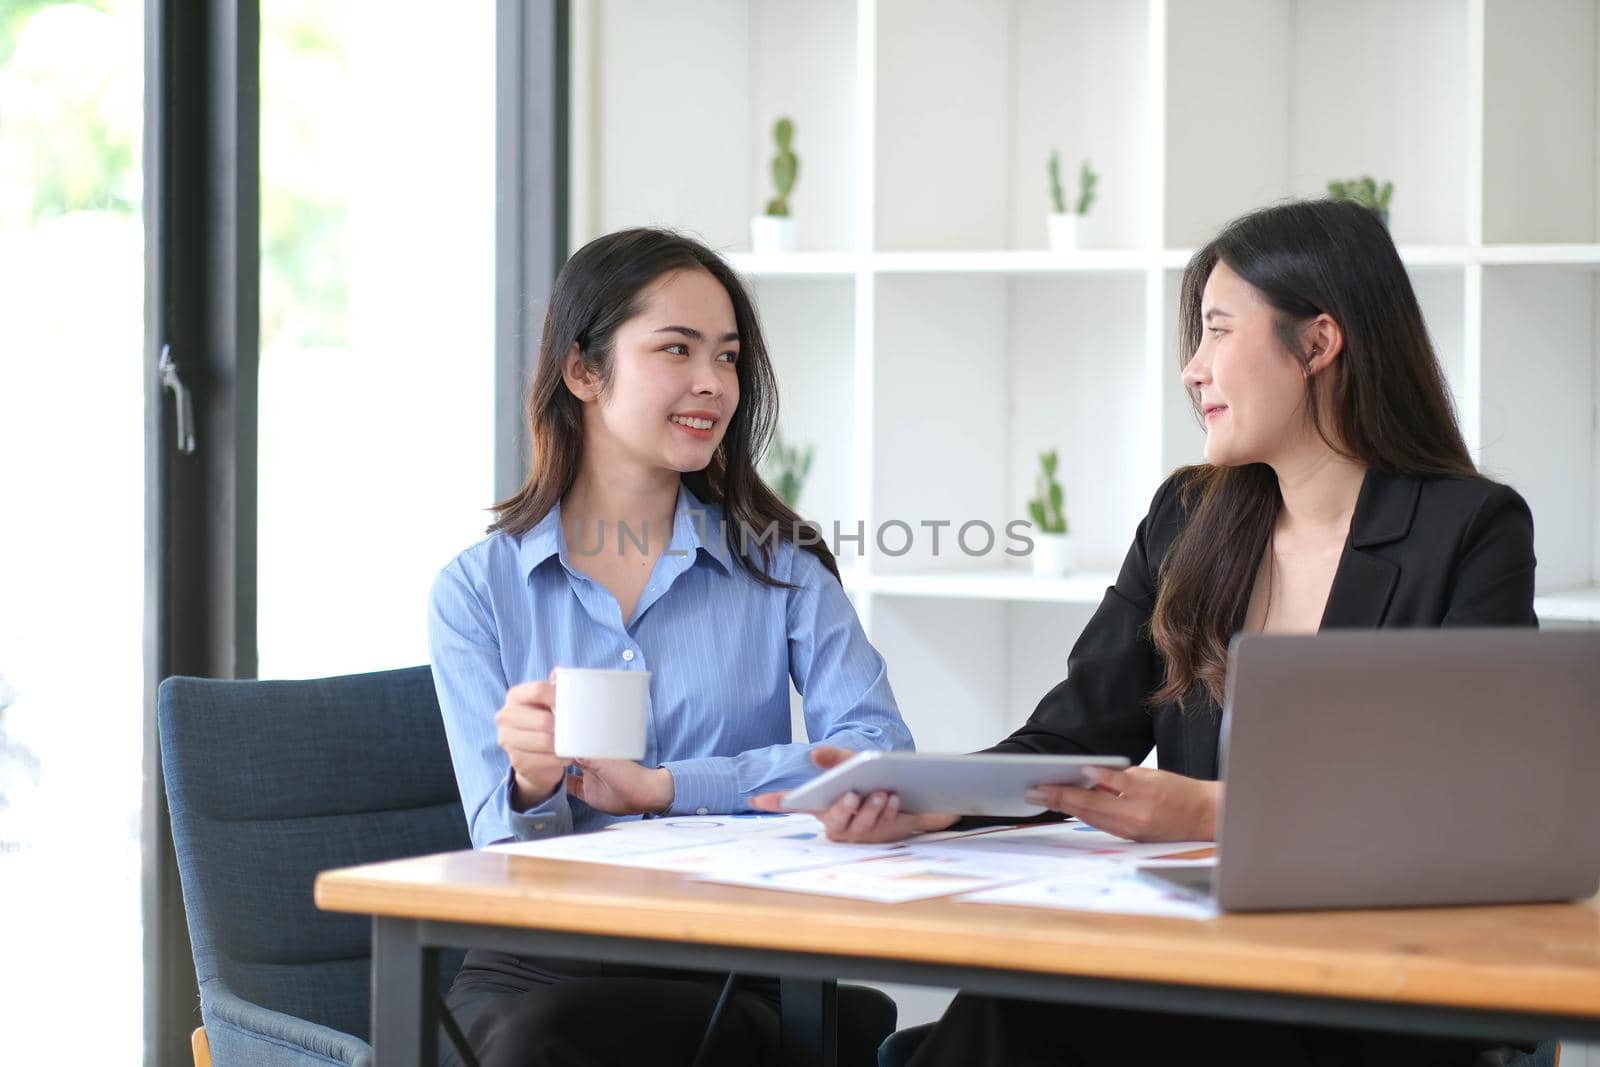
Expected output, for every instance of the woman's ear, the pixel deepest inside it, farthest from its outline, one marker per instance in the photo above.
(1323, 342)
(579, 381)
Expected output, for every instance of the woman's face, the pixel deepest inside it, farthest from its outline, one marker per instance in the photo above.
(675, 380)
(1252, 390)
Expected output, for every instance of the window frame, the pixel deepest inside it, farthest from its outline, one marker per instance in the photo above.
(201, 207)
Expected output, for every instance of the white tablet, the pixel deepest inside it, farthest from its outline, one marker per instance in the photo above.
(985, 783)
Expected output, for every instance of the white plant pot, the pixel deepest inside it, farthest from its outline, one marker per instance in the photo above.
(1052, 555)
(771, 234)
(1063, 232)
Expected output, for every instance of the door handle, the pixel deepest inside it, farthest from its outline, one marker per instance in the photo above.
(180, 393)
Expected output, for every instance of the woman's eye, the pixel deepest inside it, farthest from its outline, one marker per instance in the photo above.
(678, 350)
(731, 357)
(1216, 332)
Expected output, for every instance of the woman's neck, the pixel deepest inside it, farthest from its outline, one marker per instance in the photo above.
(621, 497)
(1319, 489)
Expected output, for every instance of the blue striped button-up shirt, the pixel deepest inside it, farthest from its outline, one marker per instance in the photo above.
(720, 646)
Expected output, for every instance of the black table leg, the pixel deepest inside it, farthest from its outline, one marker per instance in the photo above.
(810, 1024)
(405, 1020)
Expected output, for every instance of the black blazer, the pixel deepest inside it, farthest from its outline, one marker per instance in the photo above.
(1422, 552)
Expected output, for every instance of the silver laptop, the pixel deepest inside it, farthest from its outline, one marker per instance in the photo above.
(1399, 768)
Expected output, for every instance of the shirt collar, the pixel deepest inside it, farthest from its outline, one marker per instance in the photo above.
(543, 541)
(696, 528)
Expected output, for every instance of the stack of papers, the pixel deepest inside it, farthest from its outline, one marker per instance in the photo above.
(705, 845)
(1058, 865)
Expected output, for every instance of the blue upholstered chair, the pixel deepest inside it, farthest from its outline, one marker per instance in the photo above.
(269, 783)
(898, 1048)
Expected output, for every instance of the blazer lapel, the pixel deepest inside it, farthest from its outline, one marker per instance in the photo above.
(1361, 591)
(1364, 582)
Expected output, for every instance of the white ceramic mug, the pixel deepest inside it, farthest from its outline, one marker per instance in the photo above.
(601, 714)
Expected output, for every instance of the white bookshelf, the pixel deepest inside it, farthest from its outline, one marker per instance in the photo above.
(928, 345)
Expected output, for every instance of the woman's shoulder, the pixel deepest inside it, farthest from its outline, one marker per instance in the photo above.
(782, 560)
(1465, 491)
(772, 549)
(1175, 500)
(802, 567)
(1438, 497)
(489, 563)
(1467, 501)
(796, 569)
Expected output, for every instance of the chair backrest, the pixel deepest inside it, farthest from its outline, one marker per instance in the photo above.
(269, 783)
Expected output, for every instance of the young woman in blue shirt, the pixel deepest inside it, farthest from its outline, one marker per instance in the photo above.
(643, 539)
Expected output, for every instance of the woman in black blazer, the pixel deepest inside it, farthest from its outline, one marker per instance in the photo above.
(1421, 552)
(1337, 493)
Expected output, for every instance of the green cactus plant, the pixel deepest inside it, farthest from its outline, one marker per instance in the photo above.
(789, 466)
(785, 168)
(1364, 191)
(1086, 183)
(1046, 509)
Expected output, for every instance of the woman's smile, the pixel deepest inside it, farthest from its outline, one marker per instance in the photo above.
(697, 424)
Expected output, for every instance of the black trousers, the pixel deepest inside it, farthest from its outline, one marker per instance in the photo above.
(527, 1012)
(989, 1030)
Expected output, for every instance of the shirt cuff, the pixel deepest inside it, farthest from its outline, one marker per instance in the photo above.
(705, 786)
(549, 819)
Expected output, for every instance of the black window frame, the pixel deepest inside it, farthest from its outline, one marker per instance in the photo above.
(202, 305)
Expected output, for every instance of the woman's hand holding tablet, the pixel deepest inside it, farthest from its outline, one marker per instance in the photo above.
(1140, 804)
(882, 796)
(871, 819)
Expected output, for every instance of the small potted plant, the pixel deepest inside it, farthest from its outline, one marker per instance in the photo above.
(788, 467)
(1052, 547)
(773, 230)
(1364, 191)
(1062, 224)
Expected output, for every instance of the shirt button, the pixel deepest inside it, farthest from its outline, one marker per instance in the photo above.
(702, 811)
(627, 655)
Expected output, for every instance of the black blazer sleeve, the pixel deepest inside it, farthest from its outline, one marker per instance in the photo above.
(1101, 709)
(1493, 580)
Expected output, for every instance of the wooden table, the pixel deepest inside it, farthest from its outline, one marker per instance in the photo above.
(1528, 971)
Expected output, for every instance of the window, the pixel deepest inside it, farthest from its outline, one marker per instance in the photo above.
(377, 324)
(71, 523)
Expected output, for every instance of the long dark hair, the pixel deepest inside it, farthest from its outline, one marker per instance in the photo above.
(596, 292)
(1385, 395)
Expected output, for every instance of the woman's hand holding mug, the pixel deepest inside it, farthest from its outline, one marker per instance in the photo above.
(525, 727)
(605, 714)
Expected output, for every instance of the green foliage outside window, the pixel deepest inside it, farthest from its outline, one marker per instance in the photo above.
(305, 77)
(71, 119)
(71, 123)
